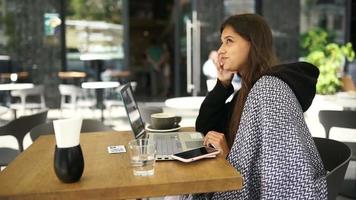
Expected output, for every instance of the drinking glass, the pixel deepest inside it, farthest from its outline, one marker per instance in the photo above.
(143, 156)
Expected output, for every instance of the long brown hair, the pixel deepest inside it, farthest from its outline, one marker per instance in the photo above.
(261, 58)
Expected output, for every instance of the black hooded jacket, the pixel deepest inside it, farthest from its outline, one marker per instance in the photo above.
(215, 113)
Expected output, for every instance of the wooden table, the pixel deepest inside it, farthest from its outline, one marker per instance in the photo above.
(19, 75)
(109, 176)
(71, 75)
(118, 74)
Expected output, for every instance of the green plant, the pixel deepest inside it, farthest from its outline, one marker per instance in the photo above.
(328, 56)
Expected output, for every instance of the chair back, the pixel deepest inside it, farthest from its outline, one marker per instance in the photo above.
(88, 125)
(72, 91)
(7, 155)
(335, 156)
(38, 90)
(41, 129)
(77, 95)
(21, 126)
(65, 89)
(337, 118)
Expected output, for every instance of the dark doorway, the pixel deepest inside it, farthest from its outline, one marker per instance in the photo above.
(152, 38)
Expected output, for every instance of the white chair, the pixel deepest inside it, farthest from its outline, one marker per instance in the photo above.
(3, 110)
(76, 97)
(25, 104)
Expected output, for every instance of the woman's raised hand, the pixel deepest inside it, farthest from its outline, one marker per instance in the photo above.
(224, 76)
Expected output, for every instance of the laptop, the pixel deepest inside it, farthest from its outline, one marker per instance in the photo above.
(167, 143)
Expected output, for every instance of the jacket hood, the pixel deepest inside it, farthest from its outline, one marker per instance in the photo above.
(301, 78)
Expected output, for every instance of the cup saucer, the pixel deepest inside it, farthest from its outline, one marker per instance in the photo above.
(151, 129)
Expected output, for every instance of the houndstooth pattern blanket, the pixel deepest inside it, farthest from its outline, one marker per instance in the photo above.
(273, 148)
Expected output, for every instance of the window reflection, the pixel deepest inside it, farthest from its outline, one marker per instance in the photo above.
(94, 36)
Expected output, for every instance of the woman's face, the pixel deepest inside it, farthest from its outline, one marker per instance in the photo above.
(234, 51)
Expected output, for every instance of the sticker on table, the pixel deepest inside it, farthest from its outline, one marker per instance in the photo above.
(117, 149)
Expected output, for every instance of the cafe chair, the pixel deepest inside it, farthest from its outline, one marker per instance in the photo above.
(74, 97)
(338, 118)
(341, 119)
(335, 156)
(25, 95)
(88, 125)
(3, 111)
(7, 155)
(16, 130)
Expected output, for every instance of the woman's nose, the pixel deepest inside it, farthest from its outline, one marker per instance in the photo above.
(221, 50)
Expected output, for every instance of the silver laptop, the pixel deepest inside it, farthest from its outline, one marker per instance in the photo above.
(167, 143)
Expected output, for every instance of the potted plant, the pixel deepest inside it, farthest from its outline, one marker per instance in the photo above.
(328, 56)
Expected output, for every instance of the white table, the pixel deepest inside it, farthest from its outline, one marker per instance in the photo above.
(347, 100)
(186, 107)
(16, 86)
(100, 86)
(191, 103)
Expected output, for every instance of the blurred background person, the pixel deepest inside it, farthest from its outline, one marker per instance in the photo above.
(158, 57)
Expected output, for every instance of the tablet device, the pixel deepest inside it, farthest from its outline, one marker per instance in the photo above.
(196, 154)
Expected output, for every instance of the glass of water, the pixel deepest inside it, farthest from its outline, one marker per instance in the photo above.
(143, 157)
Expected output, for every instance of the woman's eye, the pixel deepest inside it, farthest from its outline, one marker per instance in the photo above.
(228, 41)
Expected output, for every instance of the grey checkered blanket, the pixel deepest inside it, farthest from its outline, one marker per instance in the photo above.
(273, 148)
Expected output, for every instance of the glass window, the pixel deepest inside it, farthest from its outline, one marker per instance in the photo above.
(94, 33)
(30, 39)
(327, 14)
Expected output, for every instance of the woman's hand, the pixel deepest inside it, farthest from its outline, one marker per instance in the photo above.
(218, 141)
(224, 76)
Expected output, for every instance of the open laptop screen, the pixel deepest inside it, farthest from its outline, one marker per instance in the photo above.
(137, 125)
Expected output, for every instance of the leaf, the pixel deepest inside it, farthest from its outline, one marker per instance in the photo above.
(328, 56)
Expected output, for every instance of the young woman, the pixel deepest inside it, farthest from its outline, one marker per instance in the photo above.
(262, 131)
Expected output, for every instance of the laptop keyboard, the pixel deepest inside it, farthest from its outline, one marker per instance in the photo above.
(167, 144)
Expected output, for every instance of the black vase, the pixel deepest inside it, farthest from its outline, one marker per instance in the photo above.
(68, 163)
